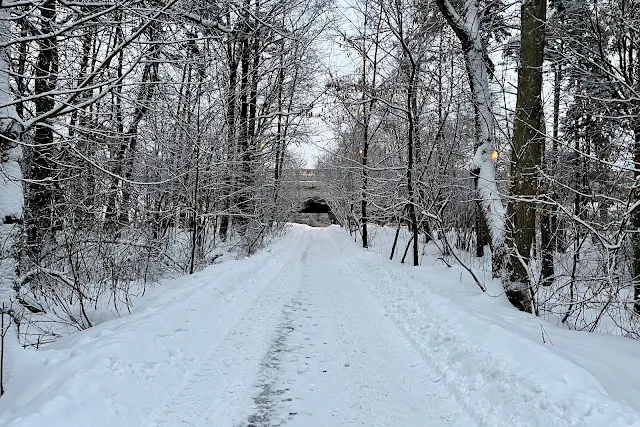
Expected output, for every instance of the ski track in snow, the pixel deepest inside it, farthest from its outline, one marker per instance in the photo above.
(320, 333)
(484, 384)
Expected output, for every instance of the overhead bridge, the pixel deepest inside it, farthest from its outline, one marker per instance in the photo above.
(313, 208)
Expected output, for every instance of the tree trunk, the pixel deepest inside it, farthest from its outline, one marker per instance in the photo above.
(363, 204)
(546, 236)
(364, 153)
(368, 102)
(117, 154)
(244, 181)
(413, 144)
(526, 155)
(635, 220)
(39, 198)
(479, 68)
(547, 248)
(21, 80)
(550, 232)
(280, 133)
(230, 121)
(481, 231)
(635, 215)
(410, 146)
(196, 232)
(556, 225)
(9, 133)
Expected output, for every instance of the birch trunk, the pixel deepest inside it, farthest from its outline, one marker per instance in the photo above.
(479, 68)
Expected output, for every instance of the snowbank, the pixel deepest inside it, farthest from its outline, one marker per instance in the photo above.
(593, 375)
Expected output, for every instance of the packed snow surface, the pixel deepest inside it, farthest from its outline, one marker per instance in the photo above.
(315, 331)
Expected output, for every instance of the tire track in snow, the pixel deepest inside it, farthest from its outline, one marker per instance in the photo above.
(391, 384)
(270, 399)
(337, 361)
(217, 385)
(443, 349)
(428, 368)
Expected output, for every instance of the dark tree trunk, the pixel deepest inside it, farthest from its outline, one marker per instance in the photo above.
(280, 134)
(635, 214)
(116, 153)
(546, 236)
(555, 224)
(368, 102)
(526, 155)
(413, 144)
(21, 81)
(482, 234)
(230, 121)
(39, 197)
(363, 161)
(395, 239)
(410, 140)
(244, 181)
(635, 219)
(547, 249)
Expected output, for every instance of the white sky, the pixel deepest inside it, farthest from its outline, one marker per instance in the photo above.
(334, 62)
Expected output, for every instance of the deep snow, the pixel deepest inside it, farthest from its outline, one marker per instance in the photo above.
(315, 331)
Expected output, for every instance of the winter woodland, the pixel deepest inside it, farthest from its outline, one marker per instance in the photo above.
(143, 139)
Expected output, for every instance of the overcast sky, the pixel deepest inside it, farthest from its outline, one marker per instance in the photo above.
(334, 62)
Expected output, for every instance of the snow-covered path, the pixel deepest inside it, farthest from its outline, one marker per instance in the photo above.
(312, 332)
(322, 352)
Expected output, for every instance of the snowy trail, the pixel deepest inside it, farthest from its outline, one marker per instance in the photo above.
(313, 332)
(357, 368)
(314, 349)
(218, 386)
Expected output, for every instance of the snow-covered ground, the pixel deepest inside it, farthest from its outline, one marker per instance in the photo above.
(315, 331)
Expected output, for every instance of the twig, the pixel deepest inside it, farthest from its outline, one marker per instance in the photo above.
(446, 242)
(543, 333)
(445, 261)
(2, 350)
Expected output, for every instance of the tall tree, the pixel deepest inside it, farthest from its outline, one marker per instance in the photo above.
(467, 23)
(41, 166)
(526, 158)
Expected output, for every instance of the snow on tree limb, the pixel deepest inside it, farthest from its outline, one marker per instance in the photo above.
(479, 70)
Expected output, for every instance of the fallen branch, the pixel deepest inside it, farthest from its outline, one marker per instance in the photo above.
(453, 253)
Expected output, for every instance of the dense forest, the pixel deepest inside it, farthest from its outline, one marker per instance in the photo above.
(139, 137)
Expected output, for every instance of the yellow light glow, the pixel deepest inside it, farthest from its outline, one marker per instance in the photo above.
(494, 156)
(361, 152)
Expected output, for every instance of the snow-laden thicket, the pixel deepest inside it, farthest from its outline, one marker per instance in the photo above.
(454, 135)
(142, 141)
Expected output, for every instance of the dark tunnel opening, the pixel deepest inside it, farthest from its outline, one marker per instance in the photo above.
(315, 206)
